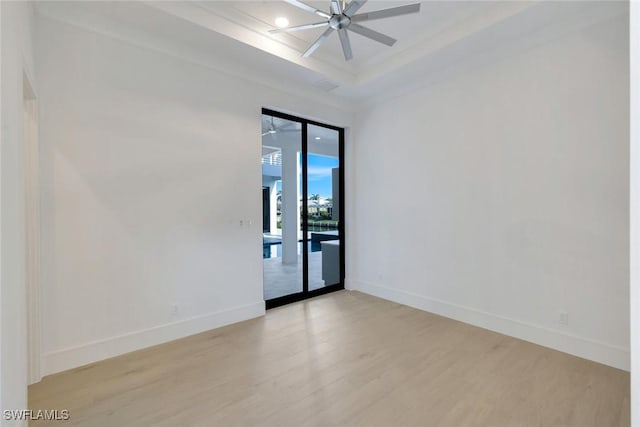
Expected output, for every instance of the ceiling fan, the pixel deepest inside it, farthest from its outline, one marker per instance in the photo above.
(273, 129)
(343, 18)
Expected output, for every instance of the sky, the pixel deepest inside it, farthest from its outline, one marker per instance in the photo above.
(319, 175)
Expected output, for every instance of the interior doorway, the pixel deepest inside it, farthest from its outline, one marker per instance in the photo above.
(303, 186)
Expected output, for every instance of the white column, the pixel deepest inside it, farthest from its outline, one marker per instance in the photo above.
(290, 205)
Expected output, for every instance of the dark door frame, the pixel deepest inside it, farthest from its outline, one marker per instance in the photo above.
(306, 293)
(266, 209)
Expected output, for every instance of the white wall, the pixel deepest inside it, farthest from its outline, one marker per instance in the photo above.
(634, 38)
(500, 197)
(17, 60)
(149, 163)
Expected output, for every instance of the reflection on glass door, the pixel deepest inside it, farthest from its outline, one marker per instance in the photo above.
(303, 218)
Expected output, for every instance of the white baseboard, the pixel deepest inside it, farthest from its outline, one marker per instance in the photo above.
(350, 285)
(617, 357)
(72, 357)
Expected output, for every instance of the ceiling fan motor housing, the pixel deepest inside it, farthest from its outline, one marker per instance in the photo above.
(339, 22)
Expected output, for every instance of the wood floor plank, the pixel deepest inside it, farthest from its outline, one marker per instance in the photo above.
(341, 359)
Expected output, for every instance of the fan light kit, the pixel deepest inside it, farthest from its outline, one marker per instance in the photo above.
(343, 18)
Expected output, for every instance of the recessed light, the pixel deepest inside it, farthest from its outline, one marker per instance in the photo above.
(282, 22)
(317, 137)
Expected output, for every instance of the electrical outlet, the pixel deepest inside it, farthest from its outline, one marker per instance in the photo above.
(564, 318)
(174, 309)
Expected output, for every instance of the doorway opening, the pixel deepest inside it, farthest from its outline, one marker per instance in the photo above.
(302, 189)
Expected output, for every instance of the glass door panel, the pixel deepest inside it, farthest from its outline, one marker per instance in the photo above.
(323, 207)
(282, 194)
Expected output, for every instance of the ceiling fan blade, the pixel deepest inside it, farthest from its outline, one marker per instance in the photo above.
(336, 7)
(353, 7)
(280, 130)
(318, 42)
(346, 44)
(371, 34)
(308, 8)
(387, 13)
(271, 129)
(299, 27)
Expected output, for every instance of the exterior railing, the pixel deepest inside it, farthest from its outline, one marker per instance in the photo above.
(273, 159)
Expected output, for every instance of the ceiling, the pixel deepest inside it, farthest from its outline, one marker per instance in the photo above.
(444, 38)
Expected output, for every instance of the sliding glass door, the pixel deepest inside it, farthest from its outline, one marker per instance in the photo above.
(303, 230)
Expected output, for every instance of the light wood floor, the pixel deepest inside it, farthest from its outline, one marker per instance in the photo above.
(342, 359)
